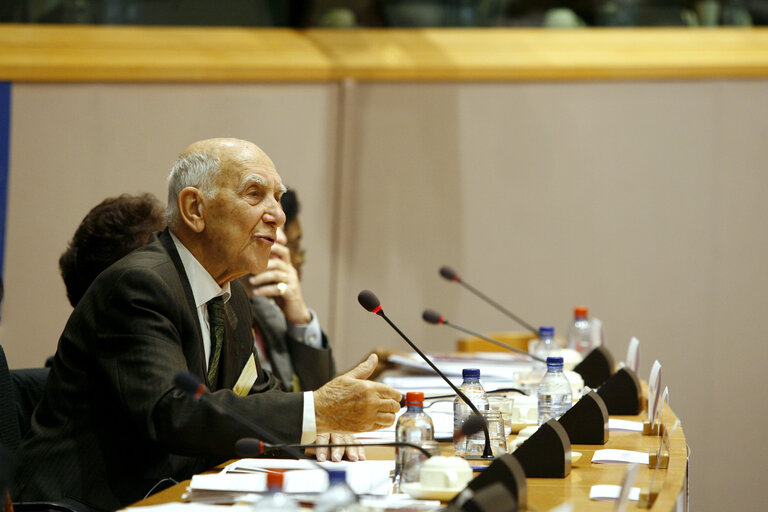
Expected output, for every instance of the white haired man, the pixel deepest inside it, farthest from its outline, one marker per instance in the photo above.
(111, 424)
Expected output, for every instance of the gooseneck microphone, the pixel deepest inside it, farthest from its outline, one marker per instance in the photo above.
(371, 303)
(433, 317)
(451, 275)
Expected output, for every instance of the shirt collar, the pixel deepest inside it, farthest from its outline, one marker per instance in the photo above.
(204, 286)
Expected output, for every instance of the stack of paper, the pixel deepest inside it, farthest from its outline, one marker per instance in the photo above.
(248, 476)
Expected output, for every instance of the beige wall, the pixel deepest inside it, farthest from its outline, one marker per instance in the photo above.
(645, 201)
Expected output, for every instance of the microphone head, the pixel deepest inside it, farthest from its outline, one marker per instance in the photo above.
(188, 383)
(432, 317)
(448, 273)
(473, 425)
(369, 301)
(249, 447)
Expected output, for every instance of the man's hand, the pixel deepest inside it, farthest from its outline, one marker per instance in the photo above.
(349, 403)
(281, 282)
(353, 453)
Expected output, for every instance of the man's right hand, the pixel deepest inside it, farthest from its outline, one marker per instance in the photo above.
(349, 403)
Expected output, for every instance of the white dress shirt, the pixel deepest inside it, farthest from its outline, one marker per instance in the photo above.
(204, 288)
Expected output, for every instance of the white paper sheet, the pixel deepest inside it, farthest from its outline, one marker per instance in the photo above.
(654, 391)
(611, 493)
(625, 425)
(492, 365)
(611, 456)
(364, 477)
(633, 354)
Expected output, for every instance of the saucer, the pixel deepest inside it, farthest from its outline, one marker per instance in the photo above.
(415, 490)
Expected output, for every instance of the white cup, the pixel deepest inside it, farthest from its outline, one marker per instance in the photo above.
(440, 472)
(525, 409)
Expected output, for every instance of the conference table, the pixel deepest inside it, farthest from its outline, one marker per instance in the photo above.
(547, 493)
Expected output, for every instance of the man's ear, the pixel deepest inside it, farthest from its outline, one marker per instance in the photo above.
(191, 209)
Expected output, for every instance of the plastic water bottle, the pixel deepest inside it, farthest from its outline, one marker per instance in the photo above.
(546, 345)
(339, 496)
(580, 332)
(554, 391)
(413, 426)
(473, 390)
(276, 500)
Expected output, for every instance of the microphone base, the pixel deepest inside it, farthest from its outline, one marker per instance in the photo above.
(479, 457)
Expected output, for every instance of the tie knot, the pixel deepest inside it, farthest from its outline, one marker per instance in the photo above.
(216, 305)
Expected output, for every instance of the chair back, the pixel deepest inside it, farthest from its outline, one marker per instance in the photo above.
(10, 434)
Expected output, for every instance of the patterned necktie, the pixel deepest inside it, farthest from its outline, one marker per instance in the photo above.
(216, 323)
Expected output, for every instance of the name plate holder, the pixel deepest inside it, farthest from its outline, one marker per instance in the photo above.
(596, 367)
(587, 421)
(655, 429)
(547, 453)
(656, 460)
(647, 498)
(653, 425)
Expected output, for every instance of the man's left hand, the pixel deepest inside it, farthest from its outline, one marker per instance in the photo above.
(281, 282)
(353, 453)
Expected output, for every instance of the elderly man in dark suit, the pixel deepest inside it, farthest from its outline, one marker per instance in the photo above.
(111, 424)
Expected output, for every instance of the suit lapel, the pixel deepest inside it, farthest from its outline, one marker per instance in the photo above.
(193, 348)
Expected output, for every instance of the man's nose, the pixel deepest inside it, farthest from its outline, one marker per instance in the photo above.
(274, 214)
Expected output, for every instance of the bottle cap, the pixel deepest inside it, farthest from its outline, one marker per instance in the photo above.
(546, 332)
(580, 312)
(275, 481)
(470, 373)
(336, 476)
(554, 361)
(414, 398)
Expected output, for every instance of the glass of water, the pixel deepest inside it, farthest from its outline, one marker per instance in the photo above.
(476, 442)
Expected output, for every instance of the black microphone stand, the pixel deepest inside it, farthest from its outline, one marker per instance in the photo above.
(487, 452)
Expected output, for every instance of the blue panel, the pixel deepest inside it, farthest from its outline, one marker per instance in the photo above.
(5, 138)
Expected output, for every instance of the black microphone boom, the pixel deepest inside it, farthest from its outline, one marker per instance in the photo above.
(451, 275)
(433, 317)
(370, 302)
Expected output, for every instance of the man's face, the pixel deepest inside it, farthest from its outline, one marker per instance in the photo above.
(241, 220)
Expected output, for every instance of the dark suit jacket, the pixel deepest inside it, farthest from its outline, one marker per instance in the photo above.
(313, 366)
(111, 424)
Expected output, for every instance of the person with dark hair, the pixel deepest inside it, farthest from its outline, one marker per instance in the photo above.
(112, 229)
(287, 334)
(292, 229)
(112, 424)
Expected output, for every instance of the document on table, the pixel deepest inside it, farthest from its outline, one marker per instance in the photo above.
(611, 493)
(611, 456)
(370, 477)
(498, 365)
(626, 425)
